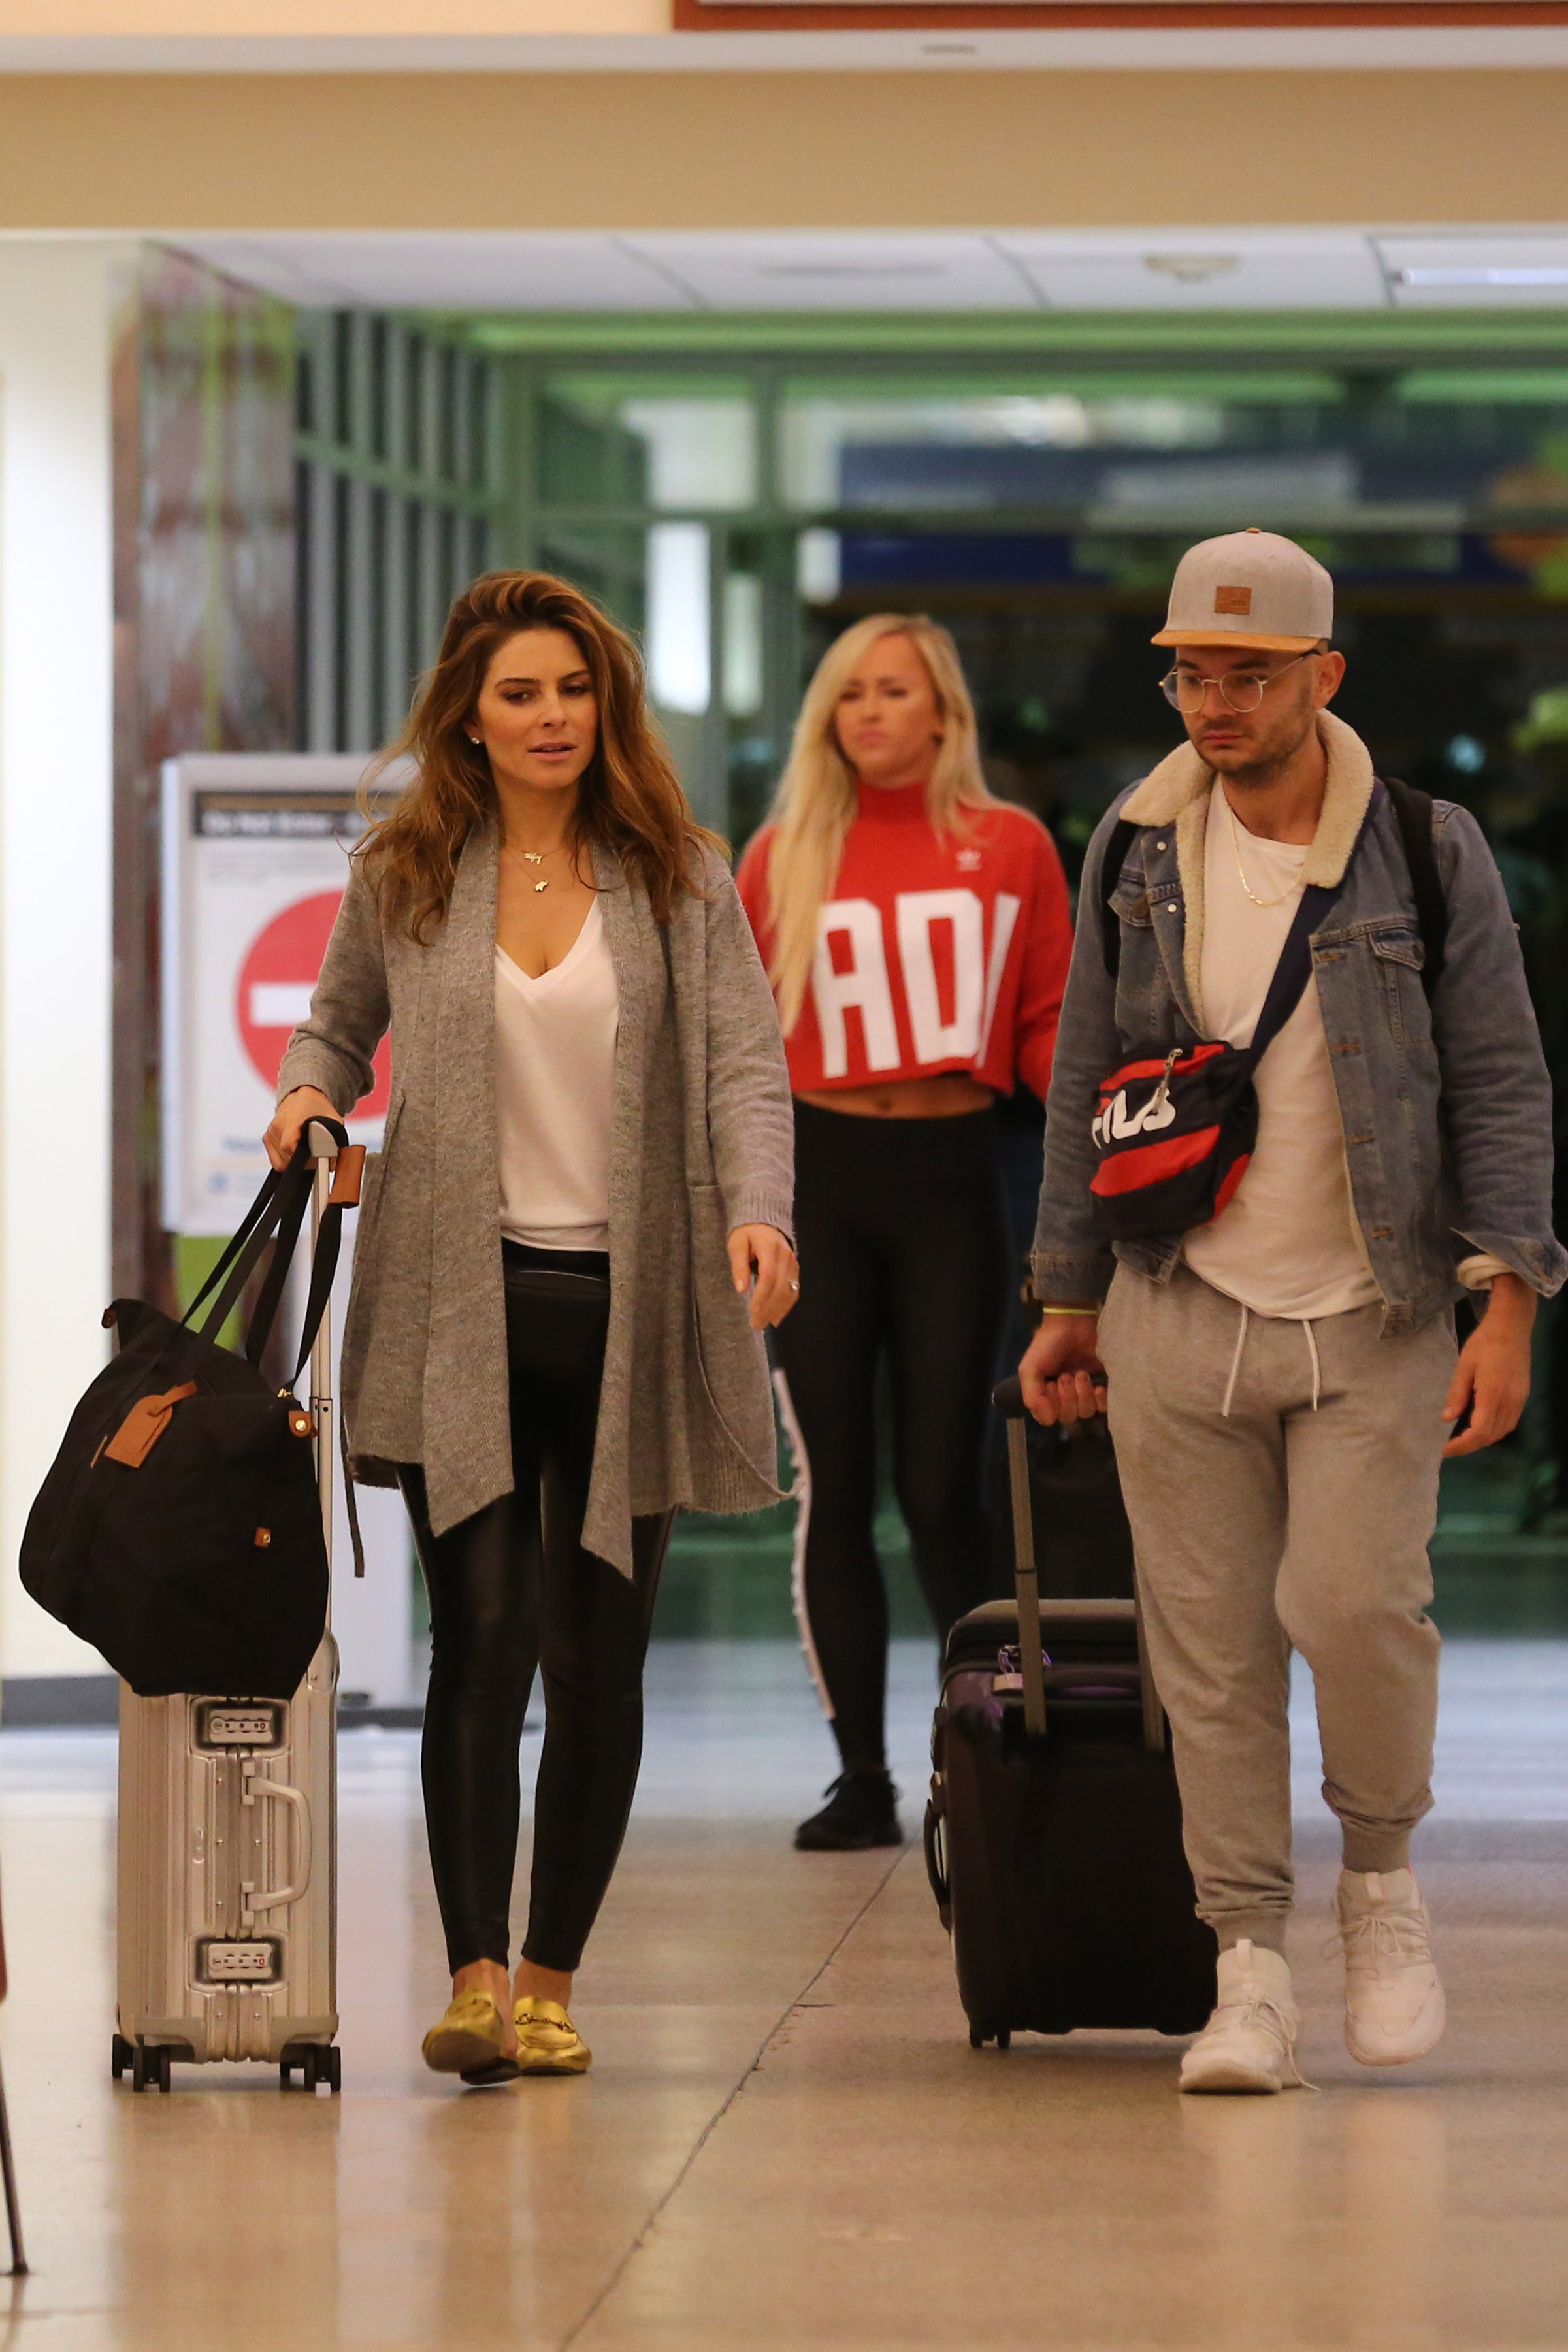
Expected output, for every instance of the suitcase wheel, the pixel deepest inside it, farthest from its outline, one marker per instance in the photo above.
(319, 2061)
(1002, 2037)
(155, 2065)
(121, 2057)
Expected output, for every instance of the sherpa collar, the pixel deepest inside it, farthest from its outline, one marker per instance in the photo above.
(1181, 778)
(1176, 792)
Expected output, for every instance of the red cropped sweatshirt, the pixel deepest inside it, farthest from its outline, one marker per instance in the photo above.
(936, 952)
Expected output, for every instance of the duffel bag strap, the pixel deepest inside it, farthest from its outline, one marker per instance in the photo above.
(256, 1221)
(285, 1196)
(324, 1257)
(275, 1219)
(290, 1226)
(323, 1260)
(323, 1268)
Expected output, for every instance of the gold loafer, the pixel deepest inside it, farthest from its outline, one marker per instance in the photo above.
(547, 2041)
(469, 2038)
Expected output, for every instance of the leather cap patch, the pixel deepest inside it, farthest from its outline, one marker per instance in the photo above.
(1232, 600)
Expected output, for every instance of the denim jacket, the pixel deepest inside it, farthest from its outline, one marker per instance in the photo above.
(1446, 1110)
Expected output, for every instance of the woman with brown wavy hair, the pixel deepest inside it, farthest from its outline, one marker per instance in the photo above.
(576, 1231)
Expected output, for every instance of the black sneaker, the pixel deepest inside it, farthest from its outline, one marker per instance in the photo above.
(861, 1810)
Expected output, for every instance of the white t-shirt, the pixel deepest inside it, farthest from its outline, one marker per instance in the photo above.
(556, 1057)
(1287, 1243)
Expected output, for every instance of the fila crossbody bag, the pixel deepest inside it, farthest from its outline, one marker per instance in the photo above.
(1174, 1132)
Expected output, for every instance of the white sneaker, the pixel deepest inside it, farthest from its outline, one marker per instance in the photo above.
(1393, 2000)
(1249, 2043)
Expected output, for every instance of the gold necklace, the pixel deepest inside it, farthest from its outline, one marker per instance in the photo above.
(537, 857)
(1290, 888)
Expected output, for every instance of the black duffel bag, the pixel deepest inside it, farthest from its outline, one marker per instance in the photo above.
(179, 1530)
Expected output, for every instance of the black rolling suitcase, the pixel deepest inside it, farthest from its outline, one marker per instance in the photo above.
(1054, 1830)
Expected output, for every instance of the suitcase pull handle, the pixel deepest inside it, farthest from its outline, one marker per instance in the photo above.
(257, 1784)
(1008, 1399)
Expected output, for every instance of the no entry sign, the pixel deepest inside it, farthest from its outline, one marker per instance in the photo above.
(274, 992)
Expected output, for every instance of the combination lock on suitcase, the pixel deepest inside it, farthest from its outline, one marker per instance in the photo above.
(1054, 1829)
(227, 1848)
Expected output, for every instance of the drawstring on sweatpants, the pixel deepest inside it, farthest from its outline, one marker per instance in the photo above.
(1234, 1367)
(1241, 1349)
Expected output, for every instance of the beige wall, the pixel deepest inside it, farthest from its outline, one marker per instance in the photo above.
(57, 319)
(214, 19)
(476, 151)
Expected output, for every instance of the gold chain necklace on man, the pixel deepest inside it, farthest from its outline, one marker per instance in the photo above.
(1241, 871)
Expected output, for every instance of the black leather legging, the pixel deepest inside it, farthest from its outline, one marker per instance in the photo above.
(512, 1590)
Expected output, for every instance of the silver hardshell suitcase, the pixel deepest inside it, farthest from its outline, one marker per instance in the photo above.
(228, 1846)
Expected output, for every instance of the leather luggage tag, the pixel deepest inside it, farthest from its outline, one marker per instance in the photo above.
(144, 1424)
(346, 1176)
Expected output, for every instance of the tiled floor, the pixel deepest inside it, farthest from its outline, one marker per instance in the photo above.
(785, 2141)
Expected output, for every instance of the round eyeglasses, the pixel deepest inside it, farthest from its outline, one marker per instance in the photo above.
(1240, 690)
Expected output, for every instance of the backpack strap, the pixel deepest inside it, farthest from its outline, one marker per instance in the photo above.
(1123, 833)
(1412, 811)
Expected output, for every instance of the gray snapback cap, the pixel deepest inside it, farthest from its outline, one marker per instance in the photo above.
(1251, 589)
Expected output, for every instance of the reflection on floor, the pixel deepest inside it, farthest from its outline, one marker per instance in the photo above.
(785, 2140)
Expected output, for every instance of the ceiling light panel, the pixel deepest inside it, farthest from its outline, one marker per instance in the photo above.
(1476, 272)
(786, 271)
(1201, 269)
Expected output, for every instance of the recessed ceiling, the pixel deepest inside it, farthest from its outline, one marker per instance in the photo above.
(1203, 270)
(786, 270)
(907, 271)
(435, 270)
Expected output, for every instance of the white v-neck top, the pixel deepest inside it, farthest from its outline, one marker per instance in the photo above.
(555, 1056)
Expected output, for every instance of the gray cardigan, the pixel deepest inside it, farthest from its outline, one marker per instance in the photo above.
(703, 1141)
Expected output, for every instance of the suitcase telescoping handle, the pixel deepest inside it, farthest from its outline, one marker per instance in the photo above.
(1008, 1399)
(336, 1169)
(323, 1149)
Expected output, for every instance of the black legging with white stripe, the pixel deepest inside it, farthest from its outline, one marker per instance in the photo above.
(903, 1254)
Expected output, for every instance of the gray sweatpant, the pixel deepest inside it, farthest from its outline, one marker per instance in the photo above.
(1271, 1525)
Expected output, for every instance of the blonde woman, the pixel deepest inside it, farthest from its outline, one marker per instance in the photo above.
(577, 1229)
(917, 935)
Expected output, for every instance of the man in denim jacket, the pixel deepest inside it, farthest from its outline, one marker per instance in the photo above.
(1282, 1379)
